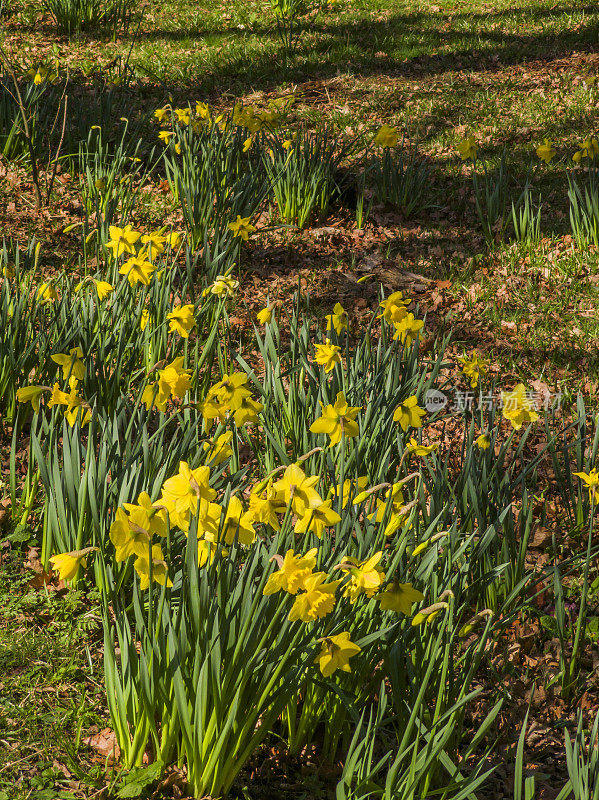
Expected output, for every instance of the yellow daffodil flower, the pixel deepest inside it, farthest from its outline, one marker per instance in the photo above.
(474, 367)
(122, 240)
(128, 539)
(219, 450)
(588, 149)
(186, 489)
(144, 319)
(337, 320)
(103, 288)
(298, 490)
(468, 148)
(292, 573)
(71, 363)
(327, 355)
(517, 408)
(247, 412)
(165, 136)
(592, 483)
(483, 442)
(335, 654)
(154, 242)
(174, 239)
(420, 449)
(242, 227)
(265, 503)
(337, 420)
(394, 307)
(399, 597)
(364, 576)
(409, 414)
(350, 488)
(31, 394)
(138, 270)
(546, 151)
(316, 601)
(407, 329)
(386, 136)
(238, 523)
(161, 114)
(265, 316)
(67, 564)
(159, 568)
(46, 293)
(223, 286)
(317, 519)
(183, 115)
(182, 320)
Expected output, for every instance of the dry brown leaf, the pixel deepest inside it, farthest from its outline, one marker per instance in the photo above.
(104, 743)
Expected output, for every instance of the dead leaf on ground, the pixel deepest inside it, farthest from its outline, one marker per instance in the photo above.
(104, 743)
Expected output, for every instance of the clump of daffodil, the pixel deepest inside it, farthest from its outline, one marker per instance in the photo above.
(386, 136)
(335, 653)
(337, 320)
(409, 414)
(181, 320)
(338, 420)
(546, 151)
(591, 481)
(255, 121)
(468, 148)
(327, 355)
(474, 368)
(242, 227)
(517, 407)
